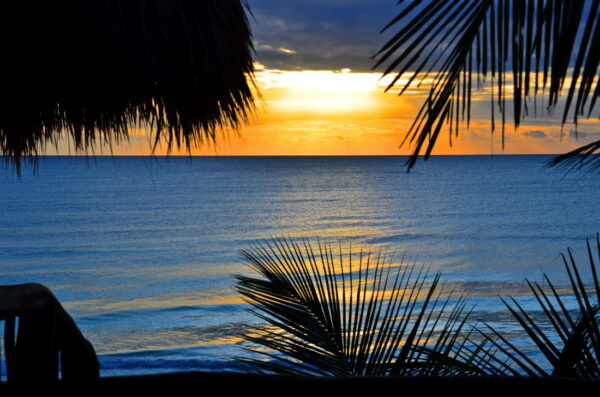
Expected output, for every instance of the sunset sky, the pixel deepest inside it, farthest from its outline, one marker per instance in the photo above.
(320, 96)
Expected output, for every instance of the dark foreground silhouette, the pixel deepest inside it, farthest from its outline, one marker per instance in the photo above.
(276, 384)
(47, 338)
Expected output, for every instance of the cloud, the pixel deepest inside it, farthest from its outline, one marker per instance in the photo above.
(286, 50)
(266, 48)
(320, 34)
(537, 134)
(575, 135)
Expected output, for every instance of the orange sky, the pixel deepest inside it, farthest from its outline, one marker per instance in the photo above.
(346, 113)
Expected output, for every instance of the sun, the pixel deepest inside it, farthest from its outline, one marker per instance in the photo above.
(319, 92)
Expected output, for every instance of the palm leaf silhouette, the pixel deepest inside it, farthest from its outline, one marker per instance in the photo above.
(530, 47)
(571, 345)
(351, 314)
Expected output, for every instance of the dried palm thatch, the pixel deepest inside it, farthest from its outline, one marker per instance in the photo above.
(524, 49)
(93, 69)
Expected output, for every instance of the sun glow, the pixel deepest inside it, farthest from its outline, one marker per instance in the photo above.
(319, 91)
(341, 112)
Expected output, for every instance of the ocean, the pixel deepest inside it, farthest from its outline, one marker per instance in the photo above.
(143, 251)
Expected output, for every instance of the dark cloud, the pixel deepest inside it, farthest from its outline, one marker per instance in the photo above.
(328, 34)
(574, 135)
(583, 134)
(535, 134)
(320, 34)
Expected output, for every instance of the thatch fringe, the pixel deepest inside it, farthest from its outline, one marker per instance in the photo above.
(93, 69)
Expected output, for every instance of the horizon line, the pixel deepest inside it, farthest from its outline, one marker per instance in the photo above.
(285, 155)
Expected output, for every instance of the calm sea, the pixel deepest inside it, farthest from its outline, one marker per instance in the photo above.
(143, 251)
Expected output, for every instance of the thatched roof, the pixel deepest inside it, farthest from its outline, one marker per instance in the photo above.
(93, 68)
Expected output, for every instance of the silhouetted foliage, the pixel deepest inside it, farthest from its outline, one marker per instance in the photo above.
(351, 314)
(571, 346)
(529, 47)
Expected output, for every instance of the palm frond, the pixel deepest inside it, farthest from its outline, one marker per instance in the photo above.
(351, 313)
(585, 157)
(521, 48)
(570, 344)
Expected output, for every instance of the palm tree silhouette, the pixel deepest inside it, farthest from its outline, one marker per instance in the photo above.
(90, 70)
(534, 48)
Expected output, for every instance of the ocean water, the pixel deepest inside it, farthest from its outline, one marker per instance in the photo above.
(143, 251)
